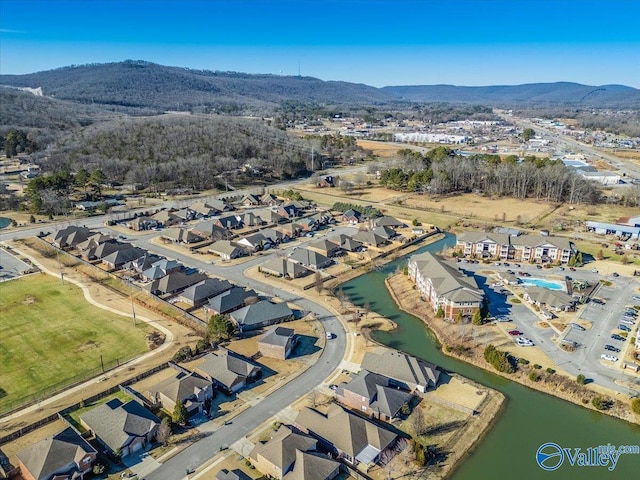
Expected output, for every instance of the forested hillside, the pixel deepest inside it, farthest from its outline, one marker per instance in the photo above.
(184, 150)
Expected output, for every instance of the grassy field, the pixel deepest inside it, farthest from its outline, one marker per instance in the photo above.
(50, 335)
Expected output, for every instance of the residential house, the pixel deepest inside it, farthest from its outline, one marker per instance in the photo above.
(388, 233)
(141, 264)
(284, 267)
(219, 205)
(119, 258)
(373, 394)
(181, 235)
(228, 370)
(71, 236)
(310, 259)
(228, 301)
(370, 238)
(91, 249)
(121, 427)
(275, 458)
(551, 299)
(404, 371)
(229, 222)
(327, 181)
(142, 223)
(275, 236)
(326, 247)
(254, 242)
(352, 216)
(251, 200)
(289, 210)
(205, 210)
(165, 218)
(387, 221)
(350, 437)
(260, 314)
(522, 248)
(160, 268)
(185, 215)
(63, 456)
(270, 200)
(174, 282)
(227, 250)
(93, 242)
(184, 386)
(268, 216)
(250, 219)
(444, 287)
(236, 474)
(350, 244)
(313, 466)
(198, 294)
(308, 224)
(209, 229)
(278, 342)
(290, 230)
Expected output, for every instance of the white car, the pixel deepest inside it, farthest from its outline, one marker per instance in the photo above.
(329, 335)
(594, 270)
(611, 358)
(524, 342)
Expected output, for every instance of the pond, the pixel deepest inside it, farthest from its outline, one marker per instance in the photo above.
(530, 418)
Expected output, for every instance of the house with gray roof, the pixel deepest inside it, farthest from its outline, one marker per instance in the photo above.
(350, 244)
(552, 299)
(253, 242)
(198, 294)
(444, 287)
(310, 258)
(283, 267)
(278, 342)
(174, 282)
(181, 235)
(388, 221)
(388, 233)
(251, 219)
(271, 200)
(373, 394)
(71, 236)
(228, 301)
(165, 218)
(313, 466)
(121, 427)
(326, 247)
(184, 386)
(269, 216)
(352, 216)
(351, 437)
(94, 250)
(260, 315)
(251, 200)
(227, 250)
(276, 457)
(404, 371)
(229, 222)
(63, 456)
(228, 370)
(370, 238)
(119, 258)
(209, 229)
(141, 264)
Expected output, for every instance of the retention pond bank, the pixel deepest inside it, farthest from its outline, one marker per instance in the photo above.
(530, 418)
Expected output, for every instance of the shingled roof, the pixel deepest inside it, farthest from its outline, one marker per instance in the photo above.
(280, 450)
(402, 368)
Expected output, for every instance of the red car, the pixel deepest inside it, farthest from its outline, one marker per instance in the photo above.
(515, 333)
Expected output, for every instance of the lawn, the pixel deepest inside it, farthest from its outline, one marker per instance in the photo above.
(50, 335)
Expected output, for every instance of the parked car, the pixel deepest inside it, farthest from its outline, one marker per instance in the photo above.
(524, 342)
(517, 265)
(572, 269)
(624, 328)
(620, 338)
(627, 321)
(539, 267)
(611, 358)
(615, 274)
(515, 332)
(561, 269)
(611, 348)
(594, 270)
(503, 319)
(329, 335)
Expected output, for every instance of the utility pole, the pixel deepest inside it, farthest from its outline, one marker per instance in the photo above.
(60, 266)
(312, 159)
(133, 308)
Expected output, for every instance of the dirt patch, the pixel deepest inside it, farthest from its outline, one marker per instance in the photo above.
(29, 300)
(88, 345)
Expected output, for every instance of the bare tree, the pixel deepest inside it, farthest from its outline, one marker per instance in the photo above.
(318, 282)
(418, 422)
(164, 431)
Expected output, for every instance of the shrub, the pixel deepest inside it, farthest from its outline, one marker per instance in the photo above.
(523, 361)
(183, 354)
(599, 402)
(536, 366)
(581, 379)
(533, 376)
(550, 371)
(498, 359)
(635, 405)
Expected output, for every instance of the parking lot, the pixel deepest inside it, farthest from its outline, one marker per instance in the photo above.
(601, 320)
(11, 266)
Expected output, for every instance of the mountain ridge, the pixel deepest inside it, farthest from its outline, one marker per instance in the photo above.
(147, 85)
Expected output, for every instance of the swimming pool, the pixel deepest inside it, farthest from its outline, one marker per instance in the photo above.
(540, 282)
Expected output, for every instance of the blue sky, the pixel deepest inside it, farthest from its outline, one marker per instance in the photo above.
(377, 42)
